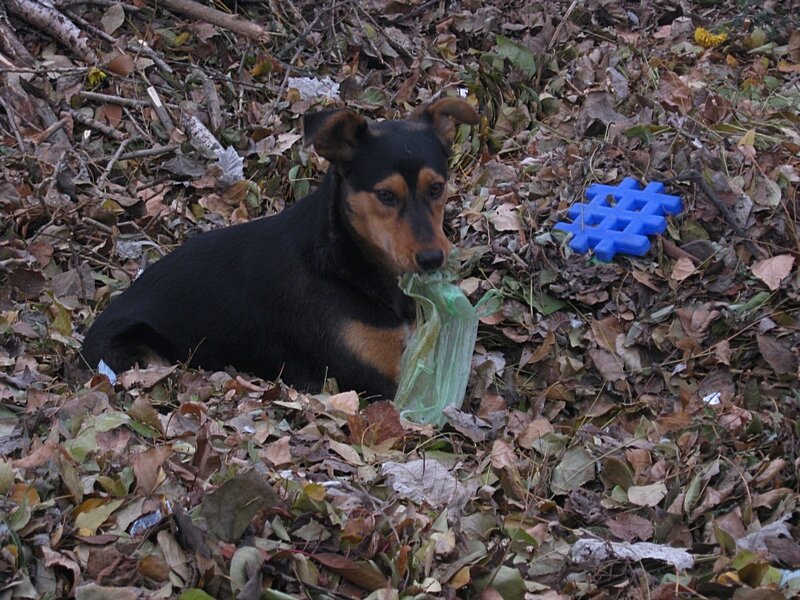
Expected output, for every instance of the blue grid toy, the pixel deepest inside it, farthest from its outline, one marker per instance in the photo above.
(620, 227)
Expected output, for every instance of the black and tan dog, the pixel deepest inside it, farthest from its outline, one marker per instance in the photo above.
(313, 290)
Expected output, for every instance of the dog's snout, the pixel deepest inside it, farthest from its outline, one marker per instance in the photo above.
(430, 259)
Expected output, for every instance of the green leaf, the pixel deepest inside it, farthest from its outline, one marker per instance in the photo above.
(195, 594)
(518, 55)
(244, 563)
(92, 519)
(507, 581)
(575, 469)
(110, 420)
(84, 443)
(616, 472)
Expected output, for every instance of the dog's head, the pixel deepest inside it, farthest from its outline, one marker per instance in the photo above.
(395, 178)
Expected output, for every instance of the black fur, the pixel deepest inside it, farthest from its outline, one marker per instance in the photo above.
(270, 296)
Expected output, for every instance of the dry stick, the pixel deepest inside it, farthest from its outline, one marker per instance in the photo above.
(397, 47)
(140, 47)
(212, 99)
(54, 23)
(161, 112)
(114, 99)
(417, 11)
(12, 122)
(233, 23)
(99, 126)
(200, 134)
(48, 117)
(45, 135)
(101, 182)
(300, 38)
(95, 31)
(149, 152)
(697, 178)
(10, 44)
(65, 3)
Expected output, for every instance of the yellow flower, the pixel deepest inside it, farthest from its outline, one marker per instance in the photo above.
(707, 39)
(95, 76)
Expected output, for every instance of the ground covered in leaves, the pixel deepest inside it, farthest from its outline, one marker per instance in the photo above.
(636, 423)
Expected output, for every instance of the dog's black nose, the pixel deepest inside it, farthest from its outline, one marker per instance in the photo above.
(430, 259)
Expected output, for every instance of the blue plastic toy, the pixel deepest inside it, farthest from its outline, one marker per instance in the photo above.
(618, 219)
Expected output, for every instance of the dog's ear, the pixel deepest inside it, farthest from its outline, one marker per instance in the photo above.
(335, 133)
(444, 114)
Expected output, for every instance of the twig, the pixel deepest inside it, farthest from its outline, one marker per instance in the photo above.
(47, 116)
(125, 5)
(12, 123)
(161, 112)
(10, 44)
(114, 99)
(101, 182)
(300, 38)
(149, 152)
(417, 11)
(95, 124)
(46, 134)
(397, 47)
(86, 26)
(200, 135)
(697, 178)
(54, 23)
(141, 47)
(234, 23)
(212, 100)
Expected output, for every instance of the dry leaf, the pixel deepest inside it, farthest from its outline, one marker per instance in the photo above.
(682, 269)
(773, 270)
(647, 495)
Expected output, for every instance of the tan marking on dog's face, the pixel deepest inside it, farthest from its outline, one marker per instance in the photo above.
(387, 227)
(378, 347)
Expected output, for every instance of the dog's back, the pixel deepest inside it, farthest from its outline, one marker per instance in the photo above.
(312, 291)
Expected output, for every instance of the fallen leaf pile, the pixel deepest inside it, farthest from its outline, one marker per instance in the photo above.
(632, 429)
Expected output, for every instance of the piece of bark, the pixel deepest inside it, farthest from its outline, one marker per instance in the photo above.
(11, 46)
(54, 23)
(201, 12)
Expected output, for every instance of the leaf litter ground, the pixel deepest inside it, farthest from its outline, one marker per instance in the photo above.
(631, 428)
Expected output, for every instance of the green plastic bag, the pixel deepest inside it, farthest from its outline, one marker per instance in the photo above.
(435, 365)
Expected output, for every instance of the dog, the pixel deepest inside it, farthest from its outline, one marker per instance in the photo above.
(311, 292)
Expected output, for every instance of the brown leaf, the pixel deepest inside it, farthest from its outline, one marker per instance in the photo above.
(278, 453)
(153, 567)
(41, 452)
(610, 366)
(683, 269)
(145, 378)
(787, 551)
(674, 93)
(606, 332)
(229, 509)
(362, 574)
(147, 467)
(777, 354)
(773, 270)
(503, 455)
(647, 495)
(121, 64)
(630, 527)
(380, 424)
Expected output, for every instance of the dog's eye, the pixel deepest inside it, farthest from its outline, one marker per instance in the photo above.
(436, 189)
(387, 197)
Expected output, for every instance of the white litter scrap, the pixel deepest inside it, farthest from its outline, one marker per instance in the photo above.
(757, 541)
(593, 552)
(426, 481)
(314, 87)
(104, 369)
